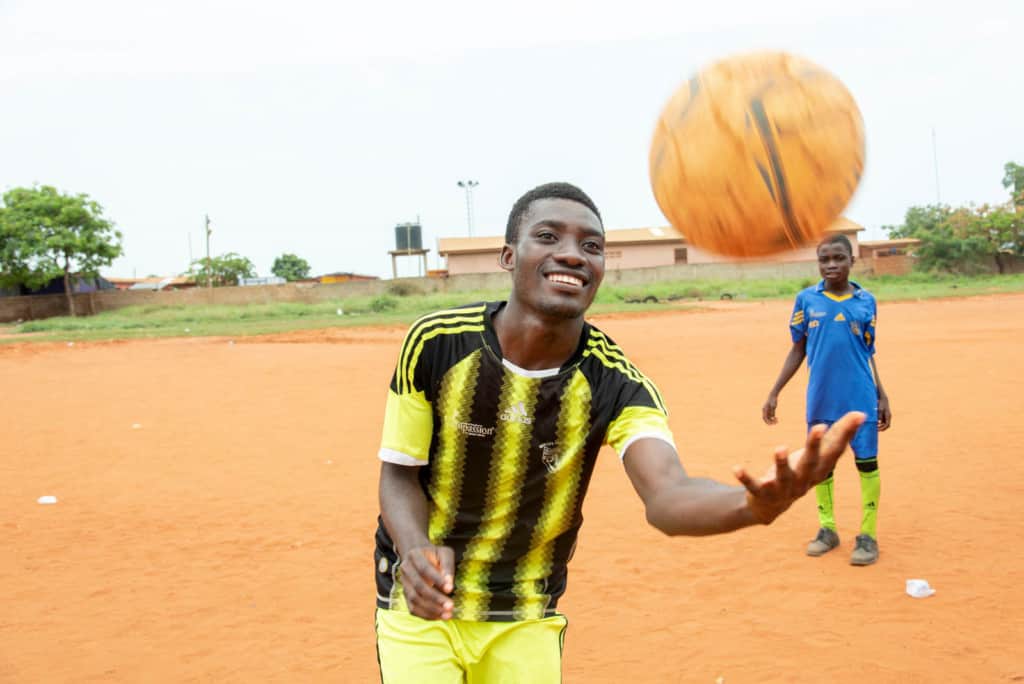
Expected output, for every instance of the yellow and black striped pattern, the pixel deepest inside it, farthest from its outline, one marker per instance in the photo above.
(508, 466)
(506, 458)
(449, 322)
(446, 486)
(609, 354)
(560, 501)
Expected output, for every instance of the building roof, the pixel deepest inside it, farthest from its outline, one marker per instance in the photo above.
(844, 225)
(618, 236)
(902, 242)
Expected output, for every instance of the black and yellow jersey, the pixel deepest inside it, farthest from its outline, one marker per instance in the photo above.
(506, 455)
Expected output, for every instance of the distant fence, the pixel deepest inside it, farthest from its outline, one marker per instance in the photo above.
(45, 306)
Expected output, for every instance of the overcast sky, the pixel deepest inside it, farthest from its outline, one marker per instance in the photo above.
(314, 128)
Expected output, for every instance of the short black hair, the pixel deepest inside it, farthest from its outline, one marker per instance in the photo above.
(566, 191)
(838, 239)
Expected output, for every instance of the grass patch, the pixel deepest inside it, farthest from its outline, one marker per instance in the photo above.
(400, 307)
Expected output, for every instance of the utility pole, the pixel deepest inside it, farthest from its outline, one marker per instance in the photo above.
(935, 161)
(468, 186)
(208, 231)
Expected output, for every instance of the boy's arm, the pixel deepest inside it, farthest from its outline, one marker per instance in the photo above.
(884, 412)
(427, 570)
(789, 367)
(678, 504)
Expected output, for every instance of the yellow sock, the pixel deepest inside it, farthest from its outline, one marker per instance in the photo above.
(823, 493)
(870, 490)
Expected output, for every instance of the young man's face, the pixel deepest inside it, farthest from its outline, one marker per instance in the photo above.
(834, 262)
(557, 262)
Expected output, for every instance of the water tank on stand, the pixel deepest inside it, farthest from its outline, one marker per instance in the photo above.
(408, 237)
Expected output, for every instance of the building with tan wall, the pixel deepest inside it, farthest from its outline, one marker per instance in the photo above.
(629, 249)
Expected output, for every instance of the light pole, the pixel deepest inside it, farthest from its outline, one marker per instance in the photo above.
(468, 186)
(208, 231)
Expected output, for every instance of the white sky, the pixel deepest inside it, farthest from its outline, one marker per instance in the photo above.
(314, 128)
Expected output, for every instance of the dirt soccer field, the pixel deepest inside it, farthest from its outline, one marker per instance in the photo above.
(216, 504)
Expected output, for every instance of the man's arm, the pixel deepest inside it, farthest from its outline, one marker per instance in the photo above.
(789, 368)
(678, 504)
(884, 412)
(427, 570)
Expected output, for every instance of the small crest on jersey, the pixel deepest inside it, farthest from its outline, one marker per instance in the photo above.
(855, 329)
(549, 455)
(812, 324)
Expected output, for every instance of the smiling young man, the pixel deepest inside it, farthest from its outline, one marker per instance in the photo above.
(833, 325)
(495, 416)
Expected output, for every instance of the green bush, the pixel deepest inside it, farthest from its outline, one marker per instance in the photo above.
(383, 304)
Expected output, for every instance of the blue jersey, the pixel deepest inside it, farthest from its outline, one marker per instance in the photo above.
(840, 332)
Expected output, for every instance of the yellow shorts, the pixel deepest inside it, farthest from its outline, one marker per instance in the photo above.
(413, 650)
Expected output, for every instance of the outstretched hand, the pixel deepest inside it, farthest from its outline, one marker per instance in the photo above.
(793, 474)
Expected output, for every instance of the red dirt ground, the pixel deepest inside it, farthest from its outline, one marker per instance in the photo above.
(217, 503)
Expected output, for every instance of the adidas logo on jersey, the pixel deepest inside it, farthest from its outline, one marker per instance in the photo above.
(516, 414)
(839, 317)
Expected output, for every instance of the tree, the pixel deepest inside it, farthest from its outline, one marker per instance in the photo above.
(959, 240)
(920, 222)
(290, 267)
(226, 269)
(997, 230)
(45, 234)
(940, 249)
(1013, 180)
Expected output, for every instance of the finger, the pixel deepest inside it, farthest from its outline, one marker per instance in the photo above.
(429, 566)
(843, 430)
(746, 480)
(446, 556)
(838, 437)
(784, 475)
(423, 599)
(811, 459)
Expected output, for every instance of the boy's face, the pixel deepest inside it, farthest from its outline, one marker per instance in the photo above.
(557, 262)
(834, 263)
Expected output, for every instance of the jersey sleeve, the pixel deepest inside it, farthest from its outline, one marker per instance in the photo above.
(870, 328)
(798, 320)
(640, 414)
(408, 413)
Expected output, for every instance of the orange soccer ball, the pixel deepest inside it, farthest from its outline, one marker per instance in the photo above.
(757, 154)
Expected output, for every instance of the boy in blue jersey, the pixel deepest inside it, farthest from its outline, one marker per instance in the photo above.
(833, 325)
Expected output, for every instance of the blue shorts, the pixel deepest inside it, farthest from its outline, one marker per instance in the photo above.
(864, 443)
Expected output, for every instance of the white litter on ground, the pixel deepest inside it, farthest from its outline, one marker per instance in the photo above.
(919, 588)
(47, 499)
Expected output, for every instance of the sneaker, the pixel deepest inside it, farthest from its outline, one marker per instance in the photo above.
(825, 541)
(866, 550)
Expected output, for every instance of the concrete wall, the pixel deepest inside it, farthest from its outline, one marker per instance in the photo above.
(618, 257)
(696, 255)
(45, 306)
(487, 262)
